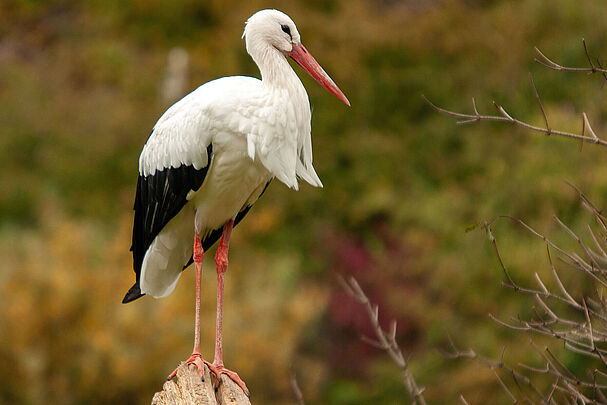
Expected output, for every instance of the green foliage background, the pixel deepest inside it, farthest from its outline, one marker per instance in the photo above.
(79, 93)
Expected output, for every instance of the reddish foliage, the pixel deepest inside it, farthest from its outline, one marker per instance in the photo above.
(384, 277)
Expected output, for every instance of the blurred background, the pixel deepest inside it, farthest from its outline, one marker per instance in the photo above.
(83, 82)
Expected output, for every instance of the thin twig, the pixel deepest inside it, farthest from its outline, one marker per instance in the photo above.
(583, 328)
(539, 102)
(385, 341)
(505, 117)
(296, 390)
(518, 378)
(547, 62)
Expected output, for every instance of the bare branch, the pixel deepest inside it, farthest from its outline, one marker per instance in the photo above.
(578, 319)
(518, 378)
(586, 335)
(547, 130)
(539, 102)
(385, 341)
(504, 386)
(577, 262)
(499, 257)
(296, 390)
(505, 117)
(547, 62)
(564, 291)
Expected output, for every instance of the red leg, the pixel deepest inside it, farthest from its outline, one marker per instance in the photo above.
(221, 264)
(196, 357)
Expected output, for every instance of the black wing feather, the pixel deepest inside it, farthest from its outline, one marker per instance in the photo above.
(159, 197)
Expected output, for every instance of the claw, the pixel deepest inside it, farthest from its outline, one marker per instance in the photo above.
(218, 370)
(195, 359)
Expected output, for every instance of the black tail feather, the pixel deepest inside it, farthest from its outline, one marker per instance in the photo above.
(132, 294)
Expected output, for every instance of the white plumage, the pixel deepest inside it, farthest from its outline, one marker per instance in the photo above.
(259, 129)
(212, 154)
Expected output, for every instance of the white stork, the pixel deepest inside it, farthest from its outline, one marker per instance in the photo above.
(211, 156)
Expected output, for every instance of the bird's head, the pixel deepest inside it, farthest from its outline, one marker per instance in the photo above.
(276, 29)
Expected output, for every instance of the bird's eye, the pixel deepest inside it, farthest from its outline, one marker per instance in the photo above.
(286, 29)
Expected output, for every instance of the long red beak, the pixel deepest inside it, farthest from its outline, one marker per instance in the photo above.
(304, 59)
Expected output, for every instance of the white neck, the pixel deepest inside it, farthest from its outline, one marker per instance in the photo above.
(296, 149)
(274, 67)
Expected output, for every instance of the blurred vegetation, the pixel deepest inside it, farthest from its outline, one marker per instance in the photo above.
(79, 90)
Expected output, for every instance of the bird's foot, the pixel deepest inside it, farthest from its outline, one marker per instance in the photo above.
(219, 369)
(195, 359)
